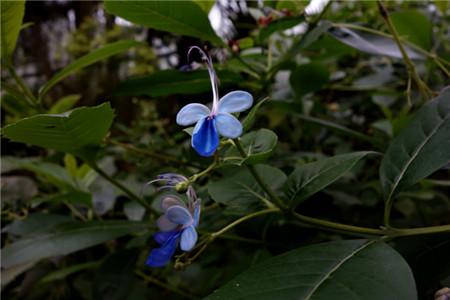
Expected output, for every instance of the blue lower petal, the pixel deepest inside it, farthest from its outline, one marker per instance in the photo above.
(159, 257)
(162, 236)
(205, 139)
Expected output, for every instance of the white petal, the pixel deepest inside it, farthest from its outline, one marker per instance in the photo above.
(228, 126)
(191, 113)
(188, 238)
(234, 102)
(179, 215)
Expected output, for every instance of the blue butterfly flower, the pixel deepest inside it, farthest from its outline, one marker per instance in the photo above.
(209, 124)
(177, 226)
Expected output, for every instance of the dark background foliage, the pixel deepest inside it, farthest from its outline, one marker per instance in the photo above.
(330, 93)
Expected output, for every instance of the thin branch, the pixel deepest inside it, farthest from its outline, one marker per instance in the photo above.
(258, 178)
(123, 188)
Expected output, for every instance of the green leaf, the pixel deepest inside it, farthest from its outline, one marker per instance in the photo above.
(372, 44)
(89, 59)
(258, 145)
(308, 78)
(441, 5)
(65, 239)
(239, 191)
(353, 269)
(67, 132)
(179, 17)
(313, 35)
(64, 104)
(78, 197)
(294, 6)
(53, 173)
(205, 5)
(310, 178)
(9, 274)
(70, 163)
(250, 119)
(420, 148)
(170, 82)
(11, 19)
(64, 272)
(280, 24)
(35, 223)
(414, 27)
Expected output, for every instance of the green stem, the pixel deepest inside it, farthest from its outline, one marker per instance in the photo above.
(269, 54)
(75, 211)
(424, 90)
(338, 226)
(243, 219)
(440, 65)
(164, 285)
(266, 188)
(123, 188)
(400, 232)
(387, 212)
(250, 70)
(196, 176)
(386, 232)
(202, 245)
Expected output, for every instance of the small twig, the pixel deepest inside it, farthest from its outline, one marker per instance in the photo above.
(243, 219)
(201, 246)
(423, 88)
(75, 211)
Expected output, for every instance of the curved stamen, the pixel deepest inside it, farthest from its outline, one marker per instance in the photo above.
(212, 76)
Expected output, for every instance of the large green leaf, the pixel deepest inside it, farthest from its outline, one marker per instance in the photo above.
(310, 178)
(66, 238)
(414, 27)
(353, 269)
(84, 61)
(11, 19)
(180, 17)
(239, 191)
(35, 223)
(258, 145)
(66, 132)
(420, 148)
(170, 82)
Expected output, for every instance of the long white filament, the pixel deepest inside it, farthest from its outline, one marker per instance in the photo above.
(212, 76)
